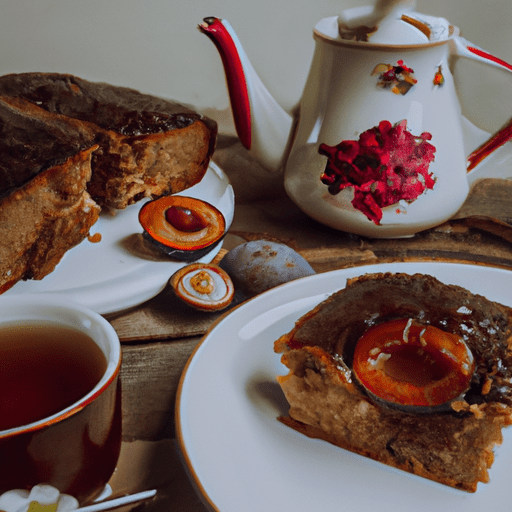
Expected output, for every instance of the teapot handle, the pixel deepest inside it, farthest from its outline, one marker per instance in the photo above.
(464, 48)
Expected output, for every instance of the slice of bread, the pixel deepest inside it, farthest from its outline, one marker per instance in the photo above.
(453, 447)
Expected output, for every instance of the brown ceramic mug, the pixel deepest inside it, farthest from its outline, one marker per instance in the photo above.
(74, 448)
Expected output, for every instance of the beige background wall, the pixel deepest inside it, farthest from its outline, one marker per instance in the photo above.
(154, 45)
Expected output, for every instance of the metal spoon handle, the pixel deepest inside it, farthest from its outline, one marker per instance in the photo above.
(118, 502)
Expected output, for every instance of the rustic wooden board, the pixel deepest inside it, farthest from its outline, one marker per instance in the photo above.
(480, 232)
(149, 377)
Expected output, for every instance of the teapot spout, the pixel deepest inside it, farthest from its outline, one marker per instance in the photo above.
(262, 125)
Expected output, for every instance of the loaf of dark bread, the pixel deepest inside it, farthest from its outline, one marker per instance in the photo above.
(148, 146)
(453, 447)
(69, 147)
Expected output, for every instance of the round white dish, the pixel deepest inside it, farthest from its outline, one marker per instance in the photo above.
(239, 457)
(114, 274)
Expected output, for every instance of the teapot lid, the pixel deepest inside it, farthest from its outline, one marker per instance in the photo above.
(390, 22)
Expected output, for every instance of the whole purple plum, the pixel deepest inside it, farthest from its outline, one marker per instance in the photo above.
(260, 265)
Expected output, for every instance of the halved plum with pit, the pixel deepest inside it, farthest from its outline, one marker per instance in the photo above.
(405, 363)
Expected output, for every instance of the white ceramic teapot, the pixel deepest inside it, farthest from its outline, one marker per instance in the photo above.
(379, 147)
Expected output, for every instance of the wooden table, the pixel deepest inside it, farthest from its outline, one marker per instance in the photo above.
(159, 336)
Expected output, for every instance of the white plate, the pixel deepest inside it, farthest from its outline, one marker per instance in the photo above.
(110, 275)
(241, 458)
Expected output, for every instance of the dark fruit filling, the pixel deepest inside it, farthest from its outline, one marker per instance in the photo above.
(408, 363)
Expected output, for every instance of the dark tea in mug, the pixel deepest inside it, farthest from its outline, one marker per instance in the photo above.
(44, 368)
(60, 397)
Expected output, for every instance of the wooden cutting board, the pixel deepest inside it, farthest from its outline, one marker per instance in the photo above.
(480, 232)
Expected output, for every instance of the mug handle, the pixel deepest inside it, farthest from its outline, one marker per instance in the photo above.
(463, 48)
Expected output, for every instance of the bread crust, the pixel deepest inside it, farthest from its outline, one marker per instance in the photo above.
(453, 448)
(33, 140)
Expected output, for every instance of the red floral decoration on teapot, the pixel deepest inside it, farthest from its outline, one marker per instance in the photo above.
(388, 164)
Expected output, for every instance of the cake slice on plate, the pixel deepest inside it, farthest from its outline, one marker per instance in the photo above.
(448, 439)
